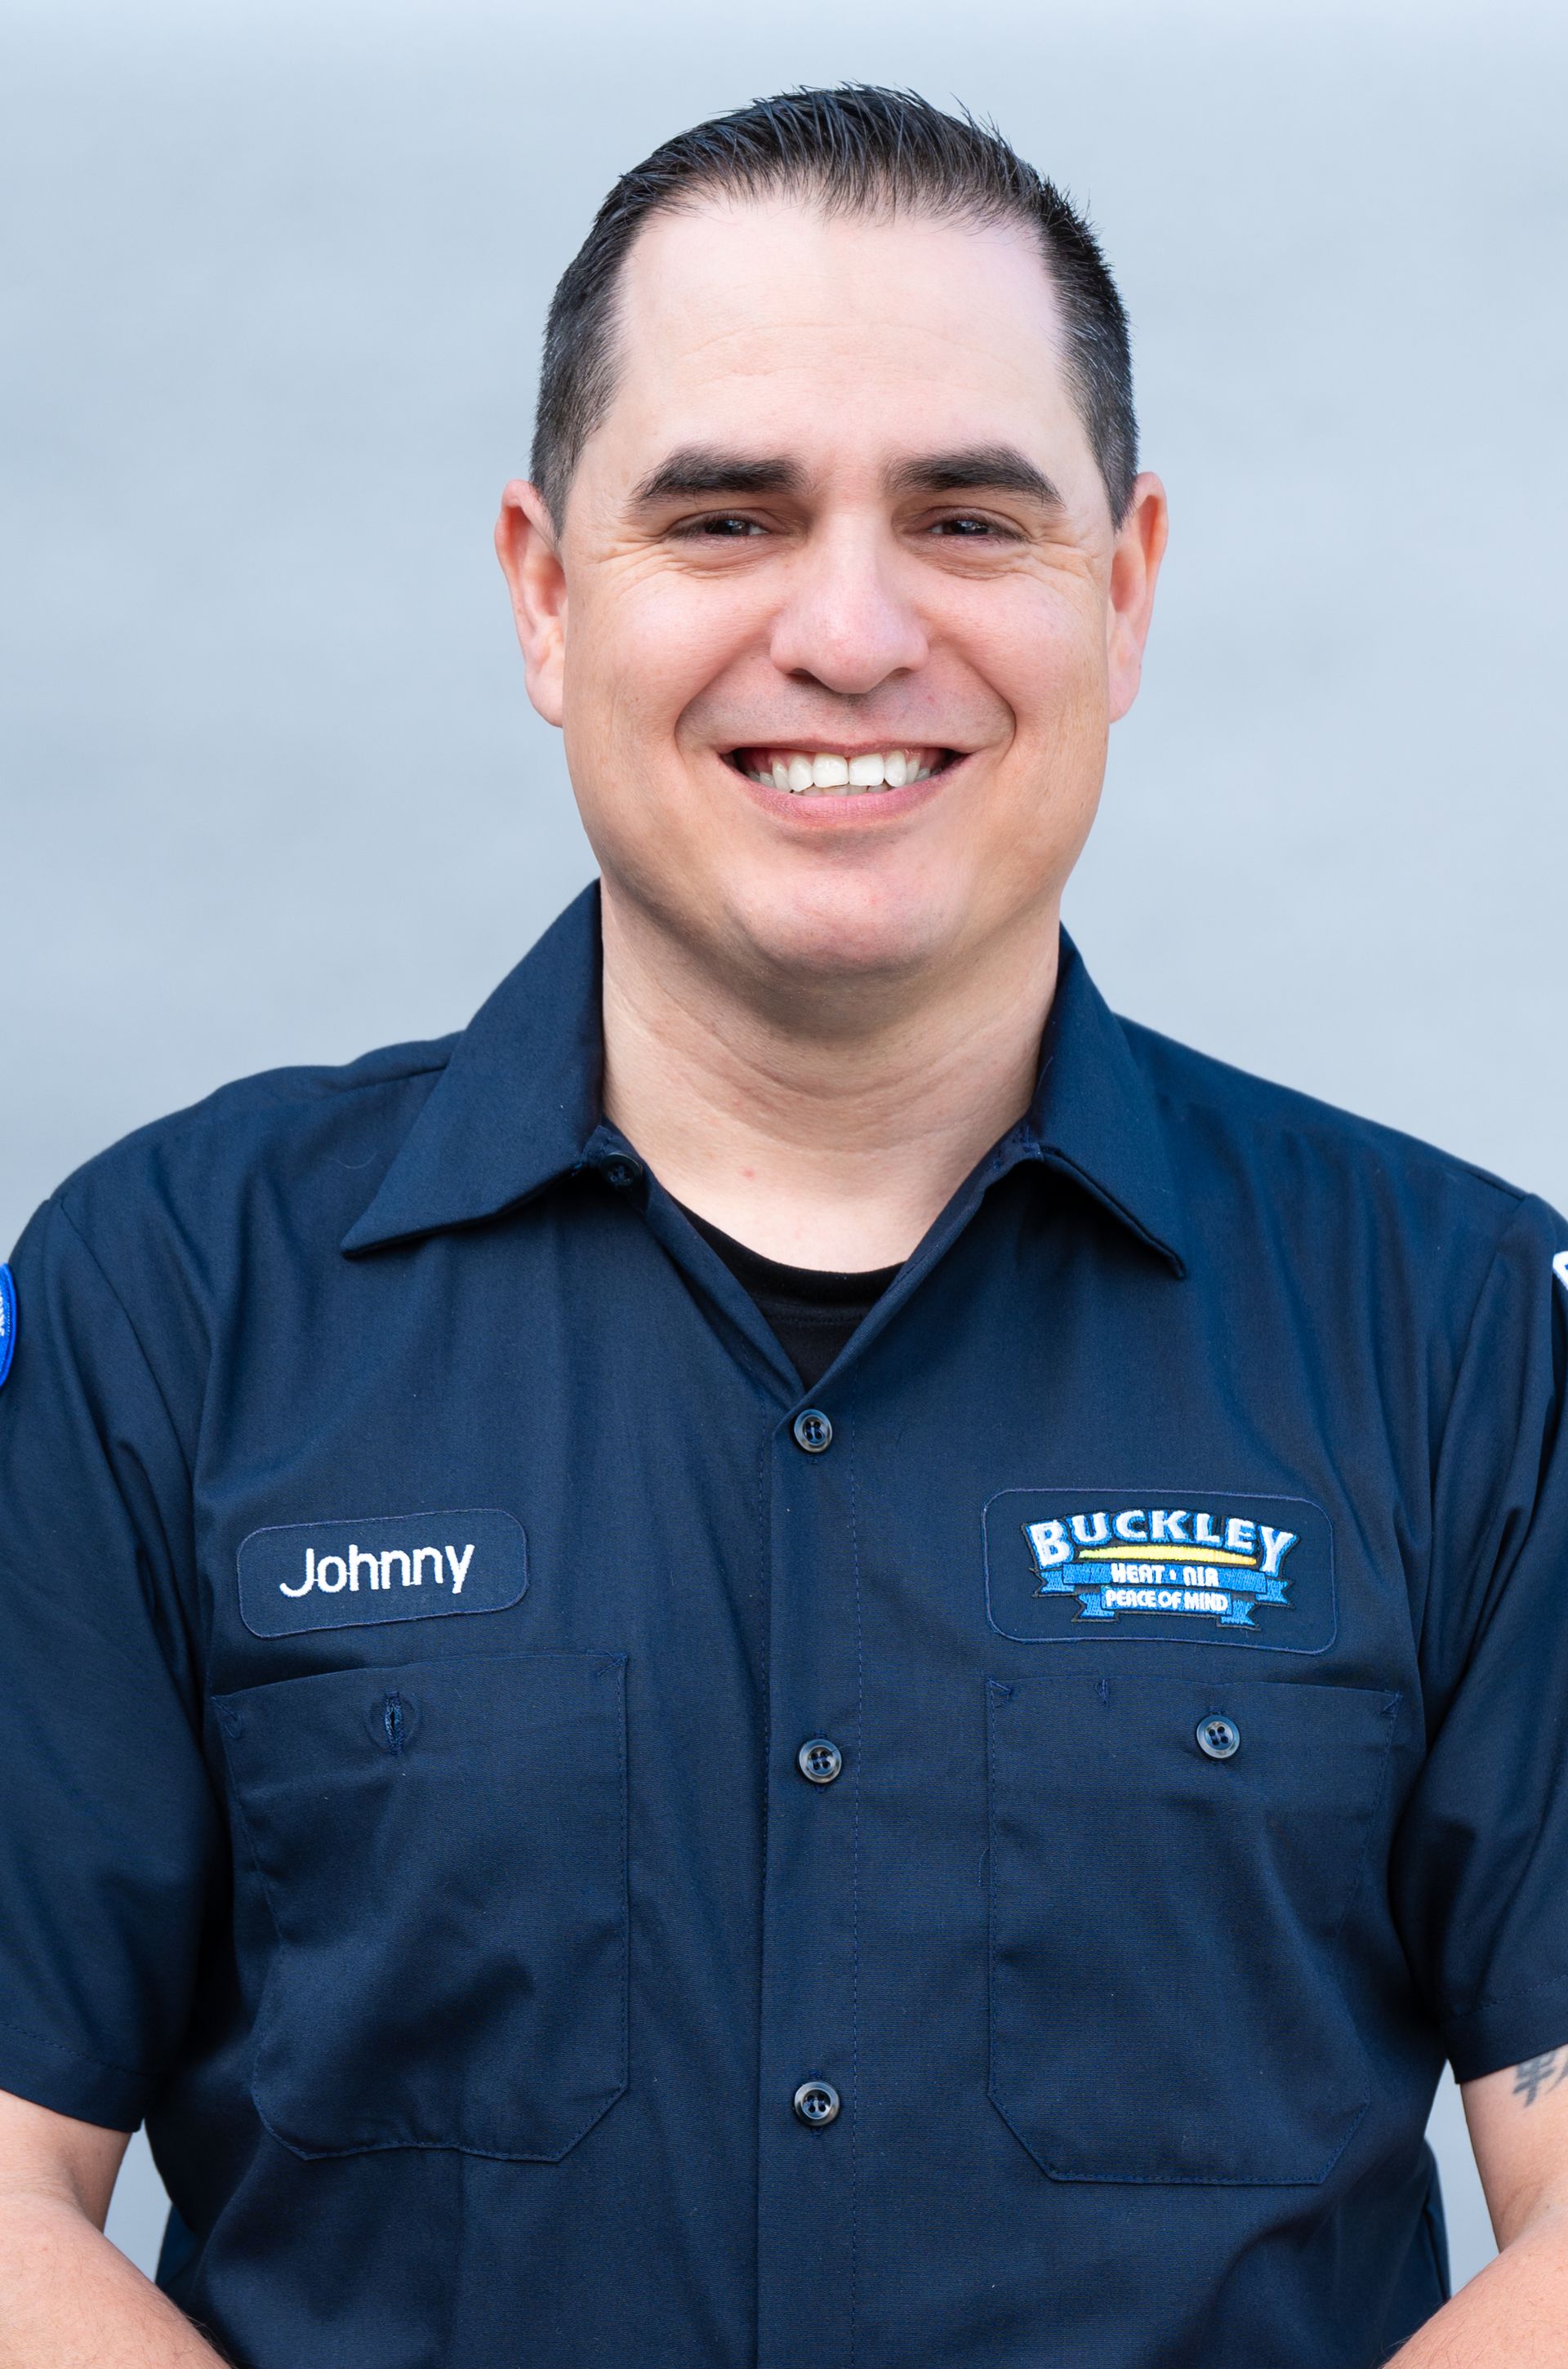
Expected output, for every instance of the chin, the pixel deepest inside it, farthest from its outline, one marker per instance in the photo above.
(822, 940)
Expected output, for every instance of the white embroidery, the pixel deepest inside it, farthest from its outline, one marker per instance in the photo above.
(378, 1569)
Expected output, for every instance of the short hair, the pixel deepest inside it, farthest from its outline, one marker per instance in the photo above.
(857, 149)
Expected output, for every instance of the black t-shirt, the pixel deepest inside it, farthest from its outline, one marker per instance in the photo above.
(813, 1311)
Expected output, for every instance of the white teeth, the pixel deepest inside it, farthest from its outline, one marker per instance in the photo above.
(852, 776)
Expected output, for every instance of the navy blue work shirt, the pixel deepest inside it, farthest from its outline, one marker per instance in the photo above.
(418, 1579)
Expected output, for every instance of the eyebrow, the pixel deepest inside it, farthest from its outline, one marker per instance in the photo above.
(702, 473)
(996, 469)
(698, 472)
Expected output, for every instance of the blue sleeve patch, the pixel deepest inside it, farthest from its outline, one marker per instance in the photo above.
(7, 1322)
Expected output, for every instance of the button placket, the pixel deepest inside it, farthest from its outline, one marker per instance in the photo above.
(807, 2130)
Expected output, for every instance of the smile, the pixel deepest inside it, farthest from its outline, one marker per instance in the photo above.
(822, 773)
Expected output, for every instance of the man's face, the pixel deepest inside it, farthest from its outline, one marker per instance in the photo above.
(840, 518)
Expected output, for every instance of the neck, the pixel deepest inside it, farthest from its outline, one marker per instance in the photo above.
(816, 1138)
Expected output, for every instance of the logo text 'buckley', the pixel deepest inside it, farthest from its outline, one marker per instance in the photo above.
(1161, 1559)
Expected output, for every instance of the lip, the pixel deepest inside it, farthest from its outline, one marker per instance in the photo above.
(826, 810)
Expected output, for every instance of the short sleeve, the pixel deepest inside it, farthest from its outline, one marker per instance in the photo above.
(1480, 1865)
(109, 1833)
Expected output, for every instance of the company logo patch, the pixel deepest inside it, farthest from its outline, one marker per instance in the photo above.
(304, 1575)
(1173, 1567)
(1559, 1268)
(7, 1323)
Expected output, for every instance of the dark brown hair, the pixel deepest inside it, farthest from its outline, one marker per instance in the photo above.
(857, 149)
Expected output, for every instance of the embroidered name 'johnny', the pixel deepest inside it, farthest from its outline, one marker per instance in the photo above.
(1162, 1559)
(302, 1575)
(409, 1561)
(1192, 1567)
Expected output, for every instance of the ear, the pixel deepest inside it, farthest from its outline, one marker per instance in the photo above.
(1135, 566)
(527, 548)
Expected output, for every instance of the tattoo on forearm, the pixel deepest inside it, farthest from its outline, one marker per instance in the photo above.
(1536, 2075)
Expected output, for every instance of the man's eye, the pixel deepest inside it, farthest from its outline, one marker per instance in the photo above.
(723, 524)
(967, 528)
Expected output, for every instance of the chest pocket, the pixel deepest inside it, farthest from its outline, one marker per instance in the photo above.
(1165, 1919)
(442, 1851)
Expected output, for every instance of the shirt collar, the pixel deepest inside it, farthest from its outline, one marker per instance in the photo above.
(519, 1098)
(1095, 1118)
(517, 1104)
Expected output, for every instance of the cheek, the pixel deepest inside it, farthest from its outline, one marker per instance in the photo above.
(640, 654)
(1046, 664)
(1047, 660)
(641, 657)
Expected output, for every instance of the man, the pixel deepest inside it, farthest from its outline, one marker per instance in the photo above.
(802, 1655)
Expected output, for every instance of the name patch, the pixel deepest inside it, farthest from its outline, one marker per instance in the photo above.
(1190, 1567)
(391, 1567)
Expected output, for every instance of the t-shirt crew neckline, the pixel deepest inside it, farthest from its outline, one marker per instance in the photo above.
(814, 1311)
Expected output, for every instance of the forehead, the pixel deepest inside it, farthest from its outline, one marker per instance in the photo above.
(838, 331)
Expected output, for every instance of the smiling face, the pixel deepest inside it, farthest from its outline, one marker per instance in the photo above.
(837, 619)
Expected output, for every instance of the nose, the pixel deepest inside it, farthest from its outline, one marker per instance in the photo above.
(846, 622)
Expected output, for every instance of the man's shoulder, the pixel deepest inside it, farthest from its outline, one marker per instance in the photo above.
(1318, 1169)
(293, 1132)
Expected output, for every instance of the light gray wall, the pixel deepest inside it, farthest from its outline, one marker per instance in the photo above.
(273, 280)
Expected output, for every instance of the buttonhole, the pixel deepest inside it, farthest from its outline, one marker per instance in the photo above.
(1104, 1690)
(391, 1720)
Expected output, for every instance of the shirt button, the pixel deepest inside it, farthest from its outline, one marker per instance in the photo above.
(812, 1430)
(820, 1761)
(621, 1172)
(1219, 1738)
(816, 2104)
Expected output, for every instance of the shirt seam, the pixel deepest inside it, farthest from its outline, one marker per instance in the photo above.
(150, 1369)
(77, 2055)
(1336, 1122)
(181, 1613)
(1452, 2016)
(1526, 1206)
(1529, 1205)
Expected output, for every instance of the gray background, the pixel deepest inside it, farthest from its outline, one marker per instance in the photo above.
(273, 278)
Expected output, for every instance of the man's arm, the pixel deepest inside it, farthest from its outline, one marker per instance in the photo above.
(68, 2298)
(1514, 2314)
